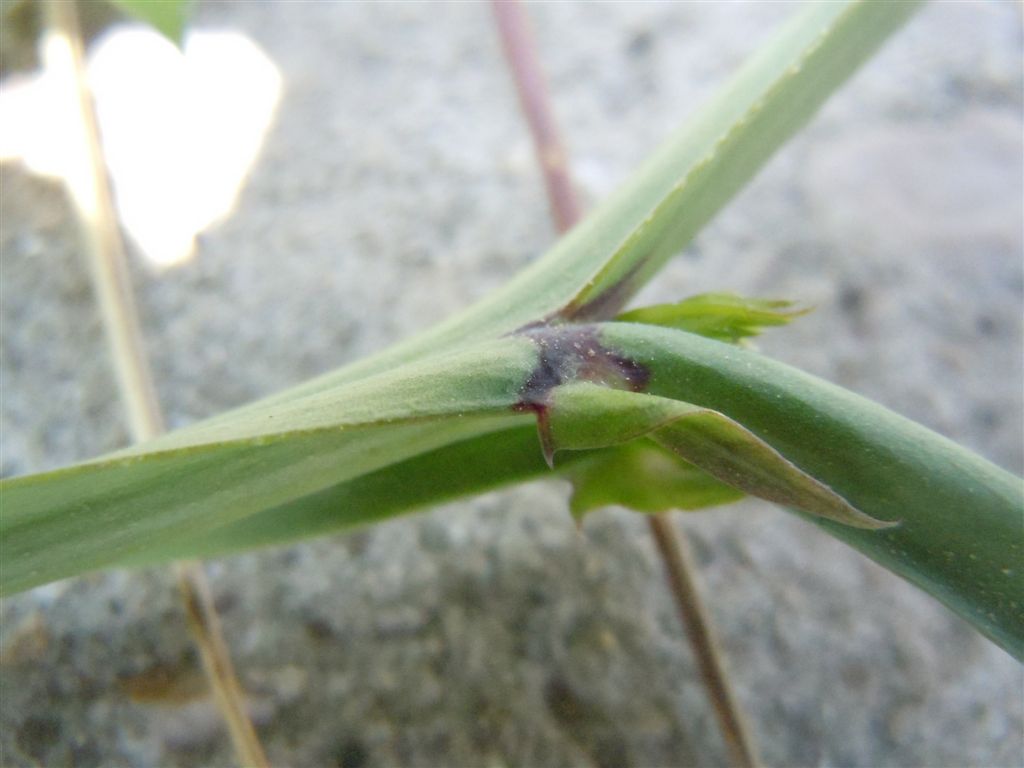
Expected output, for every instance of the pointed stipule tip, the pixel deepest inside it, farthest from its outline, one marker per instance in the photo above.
(547, 443)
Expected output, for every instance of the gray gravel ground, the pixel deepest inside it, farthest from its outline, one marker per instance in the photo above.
(396, 185)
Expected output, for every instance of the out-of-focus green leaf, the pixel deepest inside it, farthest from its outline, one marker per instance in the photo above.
(644, 477)
(166, 16)
(721, 316)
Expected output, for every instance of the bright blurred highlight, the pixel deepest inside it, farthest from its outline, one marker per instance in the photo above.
(181, 129)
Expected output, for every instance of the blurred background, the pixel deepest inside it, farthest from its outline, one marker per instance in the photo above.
(305, 183)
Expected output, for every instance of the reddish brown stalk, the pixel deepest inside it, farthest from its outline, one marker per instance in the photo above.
(682, 579)
(672, 546)
(517, 41)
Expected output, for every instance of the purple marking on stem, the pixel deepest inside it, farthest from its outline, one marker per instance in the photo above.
(570, 353)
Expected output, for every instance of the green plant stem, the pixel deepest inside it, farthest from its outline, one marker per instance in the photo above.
(960, 518)
(89, 188)
(520, 52)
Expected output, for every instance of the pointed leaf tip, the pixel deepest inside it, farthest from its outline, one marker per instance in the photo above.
(586, 416)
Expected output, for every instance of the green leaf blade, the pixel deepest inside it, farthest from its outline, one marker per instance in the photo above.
(727, 143)
(116, 508)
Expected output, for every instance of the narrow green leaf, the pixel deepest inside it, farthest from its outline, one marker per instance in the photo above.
(727, 143)
(191, 481)
(721, 316)
(463, 468)
(167, 16)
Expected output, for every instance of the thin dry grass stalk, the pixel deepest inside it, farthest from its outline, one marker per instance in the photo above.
(89, 188)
